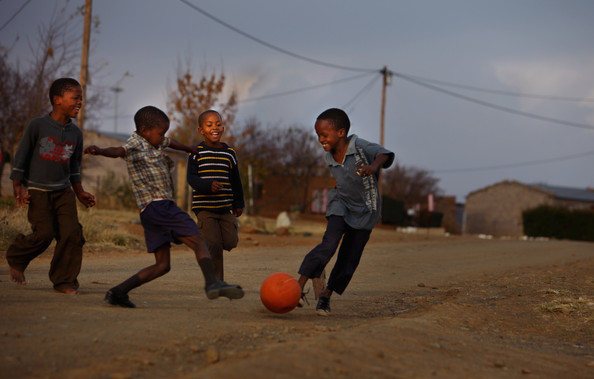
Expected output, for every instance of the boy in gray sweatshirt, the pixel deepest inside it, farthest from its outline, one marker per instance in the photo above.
(46, 177)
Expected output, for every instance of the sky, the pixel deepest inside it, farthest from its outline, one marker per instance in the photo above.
(480, 92)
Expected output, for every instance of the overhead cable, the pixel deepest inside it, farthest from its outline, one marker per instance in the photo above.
(273, 47)
(491, 105)
(290, 92)
(14, 15)
(514, 165)
(366, 88)
(500, 92)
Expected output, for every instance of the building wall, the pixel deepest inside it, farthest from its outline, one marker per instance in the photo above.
(447, 206)
(497, 209)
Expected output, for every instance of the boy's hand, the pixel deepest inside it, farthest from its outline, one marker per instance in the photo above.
(365, 170)
(20, 193)
(87, 199)
(237, 212)
(22, 198)
(93, 150)
(193, 150)
(216, 186)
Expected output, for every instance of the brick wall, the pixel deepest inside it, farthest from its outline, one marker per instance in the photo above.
(497, 209)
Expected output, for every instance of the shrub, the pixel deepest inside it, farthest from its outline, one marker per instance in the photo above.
(559, 223)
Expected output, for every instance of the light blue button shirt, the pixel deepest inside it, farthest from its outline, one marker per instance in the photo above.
(356, 198)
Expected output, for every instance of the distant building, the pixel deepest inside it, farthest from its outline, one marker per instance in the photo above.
(497, 209)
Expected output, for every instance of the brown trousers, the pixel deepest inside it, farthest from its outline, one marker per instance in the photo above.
(52, 215)
(220, 233)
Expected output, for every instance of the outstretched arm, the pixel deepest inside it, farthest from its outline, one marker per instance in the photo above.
(175, 145)
(111, 152)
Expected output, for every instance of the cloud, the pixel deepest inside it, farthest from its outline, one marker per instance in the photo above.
(562, 78)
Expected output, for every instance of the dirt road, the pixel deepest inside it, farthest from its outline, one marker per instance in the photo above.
(419, 306)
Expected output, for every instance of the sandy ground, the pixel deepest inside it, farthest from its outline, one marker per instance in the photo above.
(419, 306)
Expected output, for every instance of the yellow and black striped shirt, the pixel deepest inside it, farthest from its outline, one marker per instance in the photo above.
(212, 164)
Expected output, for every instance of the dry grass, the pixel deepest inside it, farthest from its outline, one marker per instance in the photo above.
(100, 226)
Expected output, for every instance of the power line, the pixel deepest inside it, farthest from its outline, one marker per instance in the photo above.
(491, 105)
(366, 88)
(500, 92)
(418, 81)
(271, 46)
(290, 92)
(514, 165)
(14, 15)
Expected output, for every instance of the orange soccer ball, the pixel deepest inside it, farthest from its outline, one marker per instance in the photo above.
(280, 292)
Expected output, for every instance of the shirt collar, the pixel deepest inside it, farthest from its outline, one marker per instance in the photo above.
(350, 151)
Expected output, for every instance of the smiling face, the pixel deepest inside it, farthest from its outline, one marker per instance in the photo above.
(328, 136)
(155, 135)
(68, 104)
(211, 128)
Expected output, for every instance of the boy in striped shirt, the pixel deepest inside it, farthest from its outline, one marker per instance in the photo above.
(217, 196)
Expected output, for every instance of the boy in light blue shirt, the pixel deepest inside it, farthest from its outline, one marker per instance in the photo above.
(354, 206)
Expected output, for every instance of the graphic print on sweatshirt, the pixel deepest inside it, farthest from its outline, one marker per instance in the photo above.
(51, 149)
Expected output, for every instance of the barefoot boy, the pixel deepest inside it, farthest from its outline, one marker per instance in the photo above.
(353, 206)
(46, 176)
(163, 221)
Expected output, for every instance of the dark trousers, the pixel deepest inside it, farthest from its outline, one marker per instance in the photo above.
(52, 214)
(220, 233)
(349, 254)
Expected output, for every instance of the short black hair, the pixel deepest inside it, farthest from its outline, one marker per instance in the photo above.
(203, 114)
(150, 117)
(337, 117)
(59, 86)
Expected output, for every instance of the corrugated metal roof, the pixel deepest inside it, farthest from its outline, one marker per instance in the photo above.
(568, 193)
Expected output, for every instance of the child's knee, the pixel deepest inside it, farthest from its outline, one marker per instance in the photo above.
(230, 242)
(163, 268)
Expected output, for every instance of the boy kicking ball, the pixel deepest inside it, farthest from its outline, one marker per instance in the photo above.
(353, 208)
(163, 221)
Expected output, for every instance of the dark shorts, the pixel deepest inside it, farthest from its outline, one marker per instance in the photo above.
(163, 222)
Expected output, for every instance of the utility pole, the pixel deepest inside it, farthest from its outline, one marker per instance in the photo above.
(387, 78)
(385, 82)
(116, 90)
(84, 62)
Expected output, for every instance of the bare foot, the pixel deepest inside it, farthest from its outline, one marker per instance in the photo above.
(67, 291)
(17, 276)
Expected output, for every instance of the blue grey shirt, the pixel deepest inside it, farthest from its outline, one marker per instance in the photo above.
(356, 198)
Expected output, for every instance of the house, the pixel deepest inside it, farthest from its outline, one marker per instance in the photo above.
(497, 209)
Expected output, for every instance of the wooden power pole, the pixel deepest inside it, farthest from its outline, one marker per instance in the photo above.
(84, 62)
(385, 82)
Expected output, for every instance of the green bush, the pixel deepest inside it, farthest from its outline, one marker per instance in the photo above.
(559, 223)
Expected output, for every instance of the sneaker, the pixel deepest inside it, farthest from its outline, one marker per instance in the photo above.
(121, 300)
(323, 307)
(303, 300)
(221, 288)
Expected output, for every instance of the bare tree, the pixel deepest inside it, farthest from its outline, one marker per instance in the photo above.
(409, 184)
(24, 90)
(292, 153)
(192, 97)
